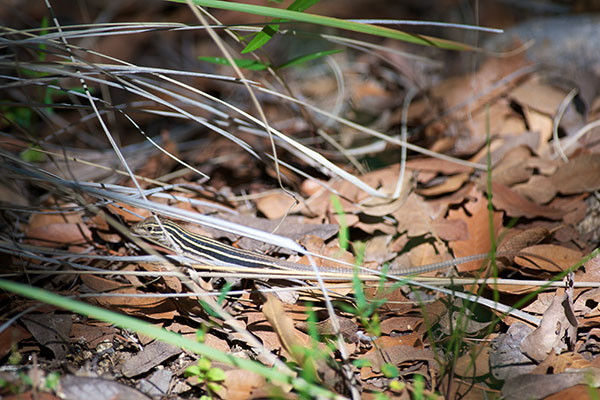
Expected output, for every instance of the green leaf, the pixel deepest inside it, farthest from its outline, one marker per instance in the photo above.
(32, 155)
(253, 65)
(204, 364)
(308, 57)
(389, 370)
(397, 385)
(213, 386)
(192, 370)
(268, 31)
(361, 363)
(52, 380)
(215, 375)
(261, 38)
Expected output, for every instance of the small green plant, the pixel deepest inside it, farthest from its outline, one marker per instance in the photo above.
(207, 375)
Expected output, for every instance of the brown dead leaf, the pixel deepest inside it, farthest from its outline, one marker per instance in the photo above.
(516, 240)
(348, 328)
(415, 216)
(93, 333)
(513, 167)
(534, 386)
(11, 336)
(172, 282)
(155, 308)
(379, 207)
(580, 174)
(476, 362)
(378, 249)
(66, 228)
(559, 363)
(450, 229)
(239, 384)
(516, 205)
(477, 221)
(450, 185)
(580, 392)
(427, 253)
(556, 331)
(539, 122)
(283, 325)
(553, 258)
(396, 355)
(401, 324)
(275, 205)
(538, 189)
(538, 96)
(587, 304)
(437, 166)
(51, 331)
(384, 179)
(152, 355)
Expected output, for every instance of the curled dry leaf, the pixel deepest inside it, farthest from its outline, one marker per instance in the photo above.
(506, 358)
(379, 207)
(283, 325)
(555, 333)
(538, 189)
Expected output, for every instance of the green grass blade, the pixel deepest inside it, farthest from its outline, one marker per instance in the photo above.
(332, 22)
(270, 30)
(306, 58)
(253, 65)
(161, 334)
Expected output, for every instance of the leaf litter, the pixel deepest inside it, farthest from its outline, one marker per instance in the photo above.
(540, 221)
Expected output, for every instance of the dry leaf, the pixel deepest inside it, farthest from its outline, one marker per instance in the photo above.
(506, 358)
(516, 205)
(533, 386)
(379, 207)
(475, 362)
(438, 166)
(275, 205)
(538, 189)
(539, 122)
(348, 328)
(415, 216)
(513, 167)
(477, 221)
(283, 325)
(556, 331)
(396, 355)
(450, 185)
(239, 384)
(156, 308)
(580, 174)
(538, 96)
(553, 258)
